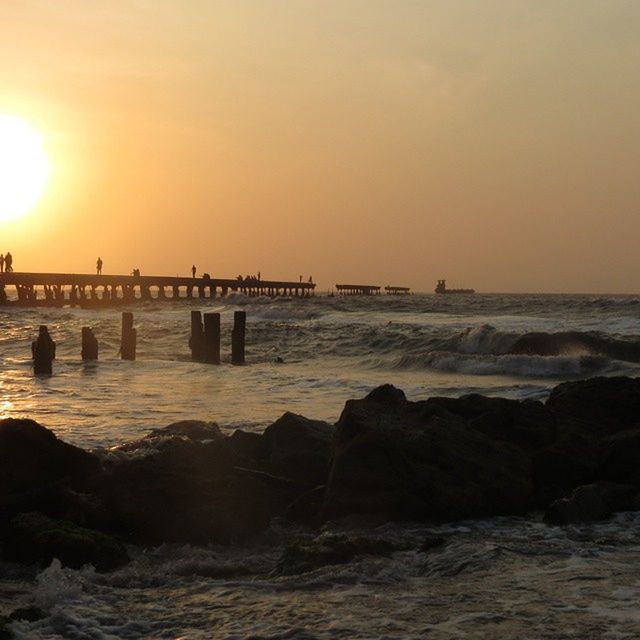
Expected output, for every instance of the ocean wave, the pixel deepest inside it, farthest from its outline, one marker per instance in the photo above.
(518, 365)
(486, 339)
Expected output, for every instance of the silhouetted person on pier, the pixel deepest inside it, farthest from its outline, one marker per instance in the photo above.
(300, 278)
(8, 262)
(1, 263)
(258, 276)
(99, 266)
(193, 271)
(310, 279)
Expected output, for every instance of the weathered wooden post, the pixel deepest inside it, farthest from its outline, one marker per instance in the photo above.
(212, 338)
(89, 344)
(196, 341)
(128, 339)
(237, 337)
(43, 350)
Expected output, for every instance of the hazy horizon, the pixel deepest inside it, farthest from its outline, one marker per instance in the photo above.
(493, 144)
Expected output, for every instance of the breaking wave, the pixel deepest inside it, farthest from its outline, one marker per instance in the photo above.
(485, 350)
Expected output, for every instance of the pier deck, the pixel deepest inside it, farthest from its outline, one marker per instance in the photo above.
(79, 289)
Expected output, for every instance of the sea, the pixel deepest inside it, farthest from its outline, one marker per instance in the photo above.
(493, 578)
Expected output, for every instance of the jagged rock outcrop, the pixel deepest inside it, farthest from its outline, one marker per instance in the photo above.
(413, 460)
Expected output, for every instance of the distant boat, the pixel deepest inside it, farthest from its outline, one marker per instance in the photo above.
(441, 287)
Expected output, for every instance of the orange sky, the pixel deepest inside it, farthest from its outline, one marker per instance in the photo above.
(494, 143)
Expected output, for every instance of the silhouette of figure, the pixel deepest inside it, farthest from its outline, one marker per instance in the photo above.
(310, 279)
(99, 266)
(300, 278)
(193, 271)
(258, 275)
(8, 262)
(1, 262)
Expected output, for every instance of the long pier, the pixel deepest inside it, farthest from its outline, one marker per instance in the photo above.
(78, 289)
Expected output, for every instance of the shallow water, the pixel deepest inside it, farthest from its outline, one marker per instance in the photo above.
(498, 578)
(333, 349)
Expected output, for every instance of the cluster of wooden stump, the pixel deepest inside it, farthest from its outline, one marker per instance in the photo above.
(204, 341)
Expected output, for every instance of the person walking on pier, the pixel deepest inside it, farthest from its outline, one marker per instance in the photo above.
(193, 271)
(1, 262)
(99, 266)
(8, 262)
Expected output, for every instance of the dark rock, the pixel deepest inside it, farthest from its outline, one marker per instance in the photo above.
(306, 508)
(570, 462)
(604, 405)
(405, 461)
(191, 429)
(187, 491)
(248, 445)
(299, 448)
(528, 425)
(621, 457)
(388, 395)
(29, 614)
(432, 542)
(329, 549)
(36, 466)
(183, 431)
(591, 503)
(35, 538)
(5, 634)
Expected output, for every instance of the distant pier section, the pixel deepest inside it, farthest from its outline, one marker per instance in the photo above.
(397, 291)
(358, 289)
(73, 289)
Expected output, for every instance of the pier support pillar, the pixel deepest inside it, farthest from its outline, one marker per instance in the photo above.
(196, 341)
(89, 344)
(237, 337)
(128, 338)
(43, 350)
(212, 338)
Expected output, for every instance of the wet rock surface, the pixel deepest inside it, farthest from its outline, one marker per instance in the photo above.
(576, 456)
(33, 538)
(330, 549)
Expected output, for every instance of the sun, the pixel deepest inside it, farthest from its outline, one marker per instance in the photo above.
(24, 167)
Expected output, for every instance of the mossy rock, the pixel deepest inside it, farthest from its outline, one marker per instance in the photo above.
(33, 538)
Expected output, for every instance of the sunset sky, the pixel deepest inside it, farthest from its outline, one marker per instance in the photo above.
(495, 143)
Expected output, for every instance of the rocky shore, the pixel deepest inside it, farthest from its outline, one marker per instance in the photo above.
(576, 458)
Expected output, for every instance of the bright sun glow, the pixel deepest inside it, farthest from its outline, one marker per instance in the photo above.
(24, 167)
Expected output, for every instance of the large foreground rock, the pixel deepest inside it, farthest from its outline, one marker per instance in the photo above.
(39, 471)
(603, 405)
(401, 459)
(299, 448)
